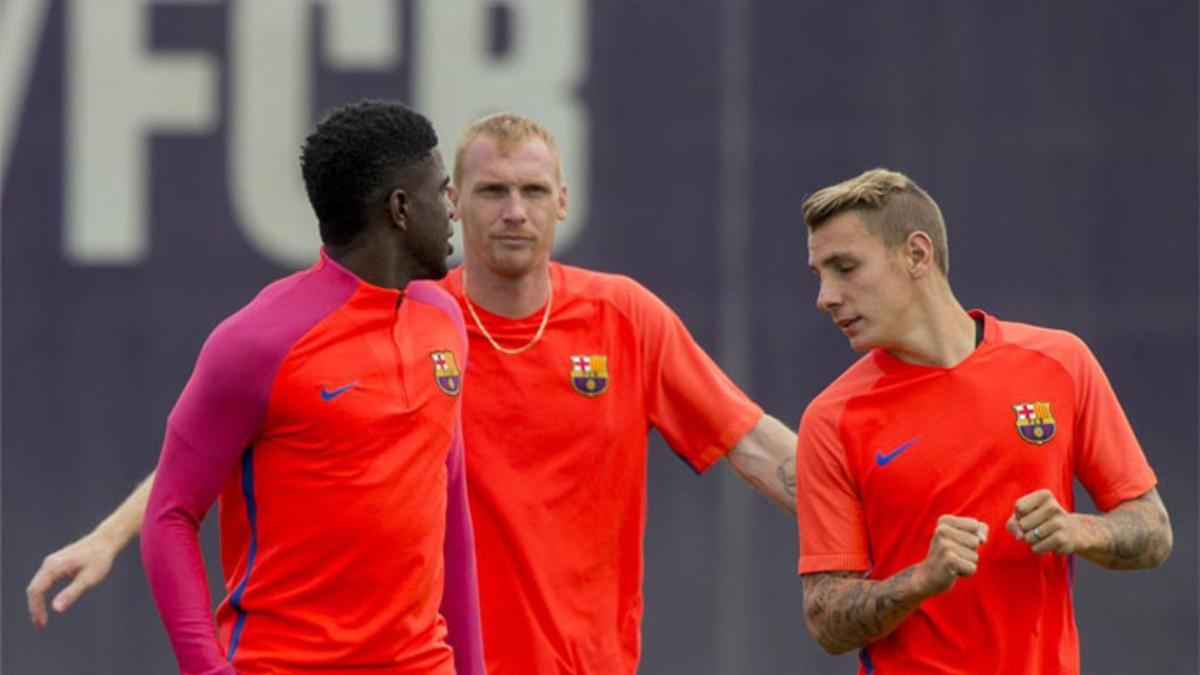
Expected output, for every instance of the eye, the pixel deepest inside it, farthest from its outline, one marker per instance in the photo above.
(536, 191)
(846, 268)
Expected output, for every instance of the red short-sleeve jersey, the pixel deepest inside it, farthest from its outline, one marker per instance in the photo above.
(556, 465)
(889, 447)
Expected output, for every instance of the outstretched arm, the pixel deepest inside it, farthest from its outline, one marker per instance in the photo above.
(766, 459)
(87, 560)
(1134, 535)
(844, 611)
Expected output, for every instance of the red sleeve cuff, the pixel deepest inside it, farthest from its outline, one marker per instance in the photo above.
(834, 562)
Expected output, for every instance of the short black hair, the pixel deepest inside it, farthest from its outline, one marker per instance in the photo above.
(354, 152)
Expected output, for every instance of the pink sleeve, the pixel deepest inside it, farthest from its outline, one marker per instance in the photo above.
(460, 595)
(213, 423)
(460, 598)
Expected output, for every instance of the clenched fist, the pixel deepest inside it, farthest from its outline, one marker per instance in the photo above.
(953, 553)
(1040, 520)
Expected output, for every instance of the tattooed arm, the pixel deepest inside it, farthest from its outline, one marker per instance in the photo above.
(844, 611)
(1134, 535)
(766, 459)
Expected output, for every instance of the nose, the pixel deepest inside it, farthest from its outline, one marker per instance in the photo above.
(827, 297)
(514, 209)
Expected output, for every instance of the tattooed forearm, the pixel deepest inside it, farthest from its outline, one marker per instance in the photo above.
(845, 611)
(766, 459)
(1135, 535)
(786, 473)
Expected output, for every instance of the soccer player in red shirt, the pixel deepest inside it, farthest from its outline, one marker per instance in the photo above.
(569, 369)
(325, 415)
(934, 477)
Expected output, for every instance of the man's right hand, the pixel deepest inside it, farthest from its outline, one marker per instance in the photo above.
(953, 553)
(85, 563)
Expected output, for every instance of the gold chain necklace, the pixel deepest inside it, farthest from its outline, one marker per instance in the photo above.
(495, 345)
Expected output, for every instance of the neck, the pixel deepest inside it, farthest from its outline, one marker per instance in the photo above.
(941, 333)
(513, 297)
(375, 262)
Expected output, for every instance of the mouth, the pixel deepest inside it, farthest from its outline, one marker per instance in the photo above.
(849, 325)
(512, 240)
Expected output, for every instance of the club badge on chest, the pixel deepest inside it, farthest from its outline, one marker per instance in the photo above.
(446, 373)
(1035, 422)
(589, 373)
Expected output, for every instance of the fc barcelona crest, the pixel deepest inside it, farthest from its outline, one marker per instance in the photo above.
(445, 372)
(589, 373)
(1035, 423)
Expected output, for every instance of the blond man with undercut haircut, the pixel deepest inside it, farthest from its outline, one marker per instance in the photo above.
(934, 476)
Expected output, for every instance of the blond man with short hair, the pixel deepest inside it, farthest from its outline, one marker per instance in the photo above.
(934, 476)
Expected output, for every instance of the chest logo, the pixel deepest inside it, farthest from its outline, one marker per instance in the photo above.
(1035, 423)
(330, 394)
(589, 373)
(446, 373)
(884, 458)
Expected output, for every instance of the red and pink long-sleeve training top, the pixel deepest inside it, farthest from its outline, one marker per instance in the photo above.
(325, 415)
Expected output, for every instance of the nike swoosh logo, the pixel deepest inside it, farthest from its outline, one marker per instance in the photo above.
(330, 394)
(882, 459)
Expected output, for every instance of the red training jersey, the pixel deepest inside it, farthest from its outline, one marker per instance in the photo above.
(325, 414)
(556, 442)
(889, 447)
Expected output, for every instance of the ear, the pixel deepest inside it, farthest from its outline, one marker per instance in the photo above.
(918, 254)
(398, 205)
(452, 195)
(562, 202)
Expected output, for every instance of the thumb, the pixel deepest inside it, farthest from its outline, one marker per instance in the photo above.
(1013, 528)
(67, 596)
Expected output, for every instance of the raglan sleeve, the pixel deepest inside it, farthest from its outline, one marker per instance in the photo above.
(695, 406)
(460, 599)
(829, 513)
(1109, 461)
(460, 591)
(215, 419)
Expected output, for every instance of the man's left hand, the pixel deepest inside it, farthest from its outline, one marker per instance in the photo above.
(1040, 520)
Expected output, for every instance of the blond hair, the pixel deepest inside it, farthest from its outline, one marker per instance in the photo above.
(509, 130)
(891, 205)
